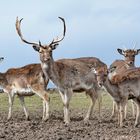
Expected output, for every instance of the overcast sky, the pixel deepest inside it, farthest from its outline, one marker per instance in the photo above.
(94, 28)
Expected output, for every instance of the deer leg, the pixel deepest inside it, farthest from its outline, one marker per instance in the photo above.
(63, 100)
(44, 110)
(93, 96)
(100, 103)
(125, 111)
(42, 93)
(24, 107)
(11, 100)
(121, 116)
(66, 99)
(133, 108)
(121, 112)
(118, 104)
(63, 96)
(137, 112)
(46, 106)
(114, 110)
(46, 100)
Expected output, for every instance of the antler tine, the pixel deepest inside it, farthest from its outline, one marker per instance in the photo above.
(18, 23)
(64, 31)
(40, 44)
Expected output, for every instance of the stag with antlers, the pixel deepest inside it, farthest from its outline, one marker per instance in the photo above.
(67, 74)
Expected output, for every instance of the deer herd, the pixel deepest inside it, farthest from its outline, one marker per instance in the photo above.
(86, 74)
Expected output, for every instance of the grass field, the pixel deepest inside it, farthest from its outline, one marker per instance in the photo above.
(79, 100)
(99, 127)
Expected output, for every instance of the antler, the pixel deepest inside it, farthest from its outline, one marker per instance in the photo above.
(18, 22)
(55, 42)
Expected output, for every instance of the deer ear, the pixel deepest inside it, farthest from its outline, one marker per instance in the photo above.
(120, 51)
(137, 51)
(36, 47)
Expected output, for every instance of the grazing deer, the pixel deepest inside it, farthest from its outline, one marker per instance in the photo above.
(25, 81)
(67, 74)
(129, 62)
(122, 87)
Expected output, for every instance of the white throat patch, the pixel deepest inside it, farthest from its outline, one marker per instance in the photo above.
(44, 66)
(111, 75)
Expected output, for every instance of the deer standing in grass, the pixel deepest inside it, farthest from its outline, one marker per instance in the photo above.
(129, 62)
(122, 87)
(67, 74)
(25, 81)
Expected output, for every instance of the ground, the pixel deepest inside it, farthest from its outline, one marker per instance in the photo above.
(98, 128)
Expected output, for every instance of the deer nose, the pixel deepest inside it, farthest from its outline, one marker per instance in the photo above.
(47, 58)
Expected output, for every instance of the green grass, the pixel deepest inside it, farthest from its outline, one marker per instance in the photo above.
(78, 101)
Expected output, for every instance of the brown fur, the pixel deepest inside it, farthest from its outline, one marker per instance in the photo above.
(129, 74)
(24, 81)
(68, 74)
(120, 72)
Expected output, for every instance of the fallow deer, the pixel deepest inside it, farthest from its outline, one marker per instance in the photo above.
(67, 74)
(25, 81)
(122, 87)
(129, 62)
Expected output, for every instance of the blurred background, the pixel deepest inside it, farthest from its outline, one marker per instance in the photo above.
(94, 28)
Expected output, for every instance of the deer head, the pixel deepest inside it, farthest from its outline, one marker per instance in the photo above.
(129, 55)
(101, 75)
(44, 50)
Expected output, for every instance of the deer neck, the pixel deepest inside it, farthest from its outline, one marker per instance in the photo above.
(113, 90)
(50, 70)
